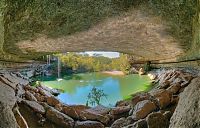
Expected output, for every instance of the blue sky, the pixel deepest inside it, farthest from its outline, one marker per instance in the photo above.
(106, 54)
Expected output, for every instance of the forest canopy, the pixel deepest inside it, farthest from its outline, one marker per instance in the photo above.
(85, 63)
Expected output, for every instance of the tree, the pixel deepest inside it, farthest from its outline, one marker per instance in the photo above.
(95, 96)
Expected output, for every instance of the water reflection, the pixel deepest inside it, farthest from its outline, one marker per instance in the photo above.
(77, 87)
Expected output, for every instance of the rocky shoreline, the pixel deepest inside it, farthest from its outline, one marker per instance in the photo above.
(152, 109)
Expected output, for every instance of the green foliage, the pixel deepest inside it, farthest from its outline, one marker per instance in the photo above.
(121, 64)
(95, 96)
(84, 62)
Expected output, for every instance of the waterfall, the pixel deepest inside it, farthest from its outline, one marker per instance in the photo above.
(59, 68)
(48, 59)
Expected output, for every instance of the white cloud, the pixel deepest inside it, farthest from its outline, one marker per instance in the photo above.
(106, 54)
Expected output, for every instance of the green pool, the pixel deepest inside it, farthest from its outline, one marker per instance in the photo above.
(77, 87)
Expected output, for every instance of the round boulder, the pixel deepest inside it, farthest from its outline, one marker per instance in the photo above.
(157, 120)
(143, 108)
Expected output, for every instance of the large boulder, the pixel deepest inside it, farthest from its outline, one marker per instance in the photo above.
(123, 103)
(142, 123)
(40, 97)
(163, 97)
(100, 109)
(165, 84)
(143, 108)
(59, 118)
(7, 118)
(53, 91)
(44, 92)
(30, 88)
(35, 106)
(119, 123)
(119, 112)
(174, 88)
(140, 97)
(30, 96)
(7, 95)
(157, 120)
(59, 107)
(52, 101)
(88, 115)
(187, 111)
(74, 111)
(88, 124)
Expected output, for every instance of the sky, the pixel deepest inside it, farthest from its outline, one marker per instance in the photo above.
(106, 54)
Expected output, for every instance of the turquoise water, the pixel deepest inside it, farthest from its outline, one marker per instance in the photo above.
(77, 87)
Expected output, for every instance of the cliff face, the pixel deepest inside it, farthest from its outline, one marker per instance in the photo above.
(150, 29)
(2, 3)
(186, 114)
(193, 53)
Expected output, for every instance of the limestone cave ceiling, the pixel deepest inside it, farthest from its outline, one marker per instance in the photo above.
(148, 29)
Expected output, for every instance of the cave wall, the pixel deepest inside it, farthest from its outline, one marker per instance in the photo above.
(180, 15)
(184, 19)
(194, 52)
(191, 58)
(28, 19)
(2, 7)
